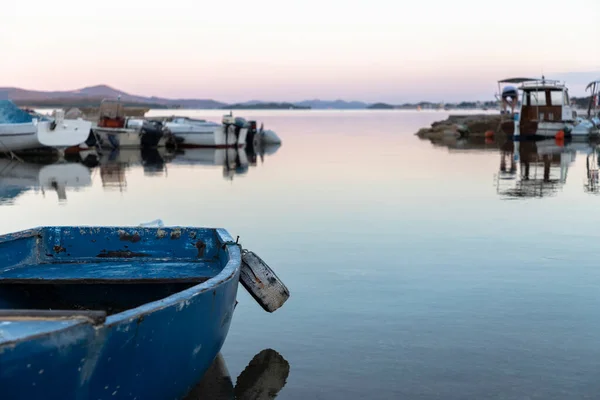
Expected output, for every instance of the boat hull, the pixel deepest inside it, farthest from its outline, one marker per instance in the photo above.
(123, 138)
(63, 134)
(15, 137)
(30, 136)
(208, 137)
(158, 350)
(156, 356)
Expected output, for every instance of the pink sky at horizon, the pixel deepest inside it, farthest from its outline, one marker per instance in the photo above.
(296, 50)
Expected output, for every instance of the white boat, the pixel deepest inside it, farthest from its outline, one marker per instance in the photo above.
(190, 133)
(20, 130)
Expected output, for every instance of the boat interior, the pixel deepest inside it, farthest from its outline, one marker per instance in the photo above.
(112, 115)
(108, 270)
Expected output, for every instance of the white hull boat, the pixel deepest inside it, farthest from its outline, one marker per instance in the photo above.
(195, 133)
(20, 130)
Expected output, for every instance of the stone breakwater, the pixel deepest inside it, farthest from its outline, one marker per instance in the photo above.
(476, 125)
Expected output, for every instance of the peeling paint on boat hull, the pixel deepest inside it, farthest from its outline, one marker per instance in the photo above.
(156, 351)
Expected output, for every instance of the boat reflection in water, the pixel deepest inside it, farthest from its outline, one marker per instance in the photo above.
(260, 151)
(592, 164)
(542, 168)
(233, 161)
(20, 176)
(114, 164)
(262, 379)
(17, 176)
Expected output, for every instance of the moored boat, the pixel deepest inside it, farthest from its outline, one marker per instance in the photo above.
(200, 133)
(543, 111)
(21, 130)
(114, 130)
(97, 312)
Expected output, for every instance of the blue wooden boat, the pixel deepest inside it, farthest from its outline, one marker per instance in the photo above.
(117, 313)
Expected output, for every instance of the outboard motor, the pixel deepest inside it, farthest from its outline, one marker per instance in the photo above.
(239, 123)
(251, 133)
(151, 133)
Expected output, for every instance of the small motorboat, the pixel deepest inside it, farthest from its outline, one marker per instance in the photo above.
(199, 133)
(98, 312)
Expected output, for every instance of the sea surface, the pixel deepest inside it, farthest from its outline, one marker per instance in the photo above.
(417, 270)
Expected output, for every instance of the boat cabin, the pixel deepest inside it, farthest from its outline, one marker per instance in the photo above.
(544, 101)
(112, 114)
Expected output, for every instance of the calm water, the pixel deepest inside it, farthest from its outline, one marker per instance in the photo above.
(417, 270)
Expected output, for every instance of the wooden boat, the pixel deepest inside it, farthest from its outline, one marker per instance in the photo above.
(21, 130)
(97, 312)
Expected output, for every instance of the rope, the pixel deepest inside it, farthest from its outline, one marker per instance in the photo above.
(10, 152)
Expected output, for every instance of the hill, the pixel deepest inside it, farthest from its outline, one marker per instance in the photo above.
(93, 95)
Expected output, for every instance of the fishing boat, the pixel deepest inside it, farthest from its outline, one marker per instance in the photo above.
(22, 130)
(98, 312)
(198, 133)
(115, 130)
(544, 110)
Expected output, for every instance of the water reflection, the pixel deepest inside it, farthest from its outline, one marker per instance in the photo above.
(591, 165)
(533, 169)
(232, 161)
(262, 379)
(44, 174)
(20, 176)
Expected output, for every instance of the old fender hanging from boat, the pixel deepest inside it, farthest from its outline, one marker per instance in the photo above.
(262, 283)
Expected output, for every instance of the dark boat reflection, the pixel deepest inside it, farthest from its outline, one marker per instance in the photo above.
(262, 379)
(531, 169)
(20, 176)
(592, 164)
(44, 173)
(260, 151)
(114, 164)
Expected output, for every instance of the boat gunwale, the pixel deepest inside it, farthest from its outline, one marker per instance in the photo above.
(232, 266)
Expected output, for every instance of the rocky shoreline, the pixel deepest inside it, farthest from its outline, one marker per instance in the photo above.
(474, 126)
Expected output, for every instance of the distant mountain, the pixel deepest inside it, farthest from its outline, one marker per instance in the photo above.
(94, 94)
(335, 104)
(265, 106)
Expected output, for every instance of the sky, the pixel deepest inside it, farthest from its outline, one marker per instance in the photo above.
(376, 50)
